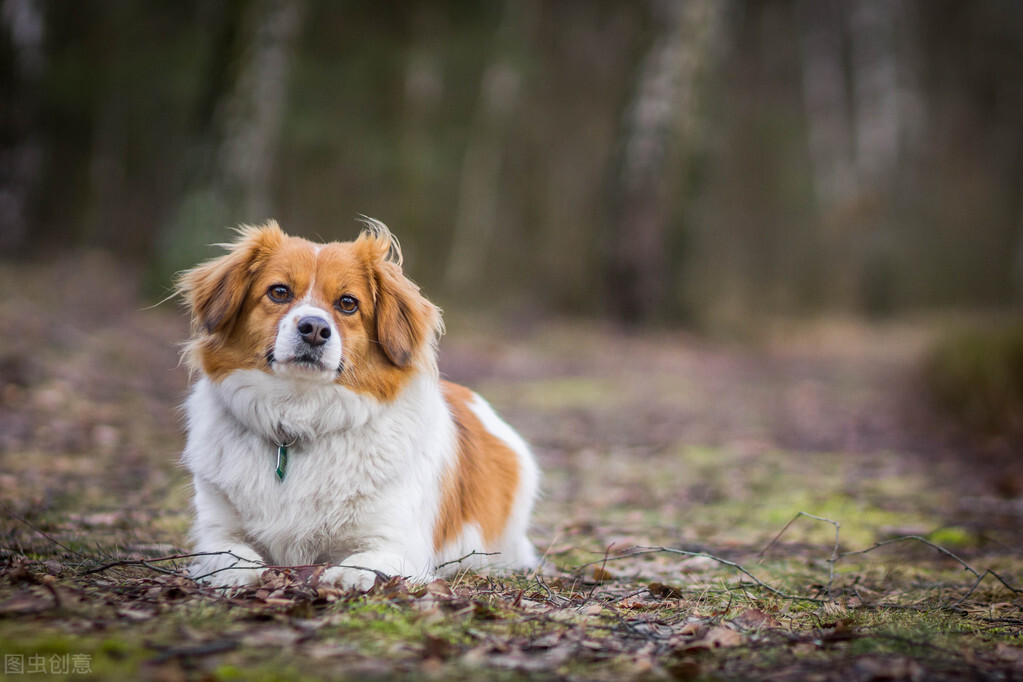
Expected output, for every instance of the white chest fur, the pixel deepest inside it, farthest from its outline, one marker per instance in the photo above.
(359, 471)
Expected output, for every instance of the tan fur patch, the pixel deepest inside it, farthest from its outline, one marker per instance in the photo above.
(481, 486)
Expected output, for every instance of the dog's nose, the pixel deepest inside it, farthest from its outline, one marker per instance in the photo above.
(314, 330)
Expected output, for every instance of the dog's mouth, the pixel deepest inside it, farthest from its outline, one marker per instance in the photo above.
(304, 361)
(311, 362)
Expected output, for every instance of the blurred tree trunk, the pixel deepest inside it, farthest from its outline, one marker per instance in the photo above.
(417, 149)
(476, 213)
(826, 101)
(855, 125)
(1017, 272)
(234, 159)
(20, 146)
(253, 112)
(657, 145)
(875, 91)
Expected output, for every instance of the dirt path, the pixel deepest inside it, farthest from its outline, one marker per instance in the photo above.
(672, 420)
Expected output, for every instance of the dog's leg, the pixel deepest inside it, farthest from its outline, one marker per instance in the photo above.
(224, 559)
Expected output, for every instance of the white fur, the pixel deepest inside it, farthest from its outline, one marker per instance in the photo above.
(289, 346)
(363, 484)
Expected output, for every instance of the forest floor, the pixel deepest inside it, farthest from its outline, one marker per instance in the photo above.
(786, 509)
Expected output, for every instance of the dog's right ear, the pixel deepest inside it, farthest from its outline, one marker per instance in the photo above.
(215, 290)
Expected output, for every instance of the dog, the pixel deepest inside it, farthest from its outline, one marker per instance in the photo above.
(320, 431)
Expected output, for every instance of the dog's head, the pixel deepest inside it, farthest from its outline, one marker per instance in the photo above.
(340, 312)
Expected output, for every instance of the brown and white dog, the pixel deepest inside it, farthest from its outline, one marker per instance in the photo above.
(320, 431)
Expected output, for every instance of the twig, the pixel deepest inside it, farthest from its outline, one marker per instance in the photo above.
(146, 562)
(834, 552)
(45, 535)
(165, 571)
(543, 559)
(921, 540)
(986, 573)
(600, 579)
(461, 559)
(234, 566)
(639, 551)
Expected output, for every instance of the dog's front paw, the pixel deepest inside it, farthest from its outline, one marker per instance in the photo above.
(360, 571)
(236, 567)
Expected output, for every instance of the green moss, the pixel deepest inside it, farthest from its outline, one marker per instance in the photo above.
(557, 394)
(951, 537)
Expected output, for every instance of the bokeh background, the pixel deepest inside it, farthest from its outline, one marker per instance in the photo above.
(703, 162)
(723, 263)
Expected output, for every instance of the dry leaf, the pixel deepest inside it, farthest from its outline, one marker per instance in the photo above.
(271, 637)
(691, 627)
(437, 648)
(754, 619)
(439, 587)
(134, 614)
(24, 603)
(717, 637)
(601, 574)
(875, 668)
(278, 601)
(1009, 653)
(662, 591)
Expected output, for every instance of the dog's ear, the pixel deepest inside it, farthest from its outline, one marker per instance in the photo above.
(215, 291)
(406, 322)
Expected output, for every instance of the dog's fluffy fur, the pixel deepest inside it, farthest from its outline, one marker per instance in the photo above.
(329, 350)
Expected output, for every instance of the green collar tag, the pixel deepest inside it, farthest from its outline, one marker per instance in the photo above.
(282, 462)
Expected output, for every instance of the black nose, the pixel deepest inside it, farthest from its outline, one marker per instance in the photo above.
(314, 330)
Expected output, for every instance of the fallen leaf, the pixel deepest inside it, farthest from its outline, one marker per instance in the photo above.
(20, 574)
(1009, 653)
(313, 577)
(278, 601)
(718, 637)
(662, 591)
(24, 603)
(692, 627)
(134, 614)
(437, 648)
(601, 574)
(754, 619)
(53, 567)
(271, 637)
(872, 668)
(439, 587)
(330, 649)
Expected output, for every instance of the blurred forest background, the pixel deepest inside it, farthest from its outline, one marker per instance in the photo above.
(702, 162)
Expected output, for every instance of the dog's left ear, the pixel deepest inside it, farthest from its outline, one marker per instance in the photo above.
(214, 291)
(406, 322)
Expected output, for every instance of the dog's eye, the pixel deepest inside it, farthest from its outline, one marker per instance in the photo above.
(279, 293)
(348, 304)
